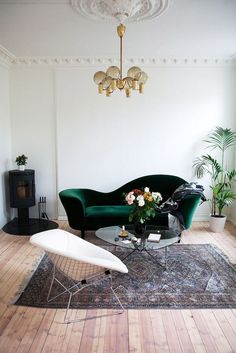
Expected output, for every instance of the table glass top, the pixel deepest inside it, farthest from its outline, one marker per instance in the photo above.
(111, 236)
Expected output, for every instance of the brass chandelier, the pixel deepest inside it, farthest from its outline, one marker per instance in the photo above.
(113, 79)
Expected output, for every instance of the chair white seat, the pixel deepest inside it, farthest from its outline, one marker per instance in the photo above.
(78, 259)
(61, 242)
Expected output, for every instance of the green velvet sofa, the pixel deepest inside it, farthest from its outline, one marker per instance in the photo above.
(88, 209)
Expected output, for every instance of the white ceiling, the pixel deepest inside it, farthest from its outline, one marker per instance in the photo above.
(189, 28)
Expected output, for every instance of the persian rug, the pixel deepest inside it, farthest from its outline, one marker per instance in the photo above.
(197, 276)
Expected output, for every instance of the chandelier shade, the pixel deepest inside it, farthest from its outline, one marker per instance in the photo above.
(113, 79)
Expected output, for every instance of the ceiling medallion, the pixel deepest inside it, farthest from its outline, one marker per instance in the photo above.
(120, 10)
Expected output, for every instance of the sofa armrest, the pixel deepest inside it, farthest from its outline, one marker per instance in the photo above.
(74, 202)
(187, 208)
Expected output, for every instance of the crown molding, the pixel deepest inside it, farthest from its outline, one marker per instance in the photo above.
(6, 57)
(102, 61)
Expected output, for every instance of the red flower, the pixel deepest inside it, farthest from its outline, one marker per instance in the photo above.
(137, 192)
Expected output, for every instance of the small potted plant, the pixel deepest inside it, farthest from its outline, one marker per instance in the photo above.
(222, 179)
(21, 162)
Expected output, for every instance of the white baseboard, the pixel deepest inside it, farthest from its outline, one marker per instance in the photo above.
(204, 218)
(233, 221)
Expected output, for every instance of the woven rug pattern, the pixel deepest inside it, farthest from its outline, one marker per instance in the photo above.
(197, 276)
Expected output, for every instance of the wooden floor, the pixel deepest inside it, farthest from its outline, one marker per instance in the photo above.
(24, 329)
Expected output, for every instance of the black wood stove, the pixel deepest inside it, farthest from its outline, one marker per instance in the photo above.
(22, 196)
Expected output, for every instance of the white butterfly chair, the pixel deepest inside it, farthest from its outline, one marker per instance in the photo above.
(81, 261)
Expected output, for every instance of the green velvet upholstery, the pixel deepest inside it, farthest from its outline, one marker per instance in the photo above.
(88, 209)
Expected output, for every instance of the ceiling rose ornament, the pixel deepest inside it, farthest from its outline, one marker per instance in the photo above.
(113, 78)
(120, 10)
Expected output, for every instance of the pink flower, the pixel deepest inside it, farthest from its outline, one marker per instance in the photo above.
(130, 198)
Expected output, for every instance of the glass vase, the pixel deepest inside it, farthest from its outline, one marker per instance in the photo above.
(139, 228)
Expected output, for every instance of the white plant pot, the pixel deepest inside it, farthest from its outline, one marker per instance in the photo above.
(21, 167)
(217, 223)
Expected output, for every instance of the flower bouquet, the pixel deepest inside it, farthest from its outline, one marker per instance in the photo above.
(143, 204)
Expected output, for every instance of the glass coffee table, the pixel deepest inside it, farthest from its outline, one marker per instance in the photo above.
(111, 235)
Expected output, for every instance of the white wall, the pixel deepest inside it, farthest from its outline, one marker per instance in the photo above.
(105, 142)
(5, 144)
(33, 129)
(77, 138)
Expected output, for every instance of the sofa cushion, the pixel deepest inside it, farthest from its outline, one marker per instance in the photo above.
(107, 211)
(108, 215)
(100, 216)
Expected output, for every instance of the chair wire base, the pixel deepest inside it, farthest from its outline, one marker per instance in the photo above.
(141, 250)
(80, 286)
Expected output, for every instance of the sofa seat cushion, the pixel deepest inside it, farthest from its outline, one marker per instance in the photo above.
(118, 211)
(101, 216)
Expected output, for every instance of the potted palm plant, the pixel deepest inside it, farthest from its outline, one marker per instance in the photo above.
(221, 178)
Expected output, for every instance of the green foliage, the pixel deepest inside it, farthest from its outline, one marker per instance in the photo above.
(221, 179)
(21, 160)
(221, 138)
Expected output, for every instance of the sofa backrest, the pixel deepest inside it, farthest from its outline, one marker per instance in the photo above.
(165, 184)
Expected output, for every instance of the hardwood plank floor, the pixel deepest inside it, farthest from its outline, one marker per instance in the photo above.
(32, 330)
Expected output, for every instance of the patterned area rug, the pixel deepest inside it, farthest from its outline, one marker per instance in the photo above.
(197, 276)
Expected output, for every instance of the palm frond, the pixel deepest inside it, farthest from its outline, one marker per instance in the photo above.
(224, 198)
(206, 164)
(200, 167)
(231, 175)
(221, 138)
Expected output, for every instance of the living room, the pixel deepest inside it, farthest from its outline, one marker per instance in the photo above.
(76, 138)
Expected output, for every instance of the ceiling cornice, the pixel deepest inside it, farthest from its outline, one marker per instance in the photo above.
(8, 59)
(96, 61)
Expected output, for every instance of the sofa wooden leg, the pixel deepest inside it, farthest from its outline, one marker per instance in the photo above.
(179, 237)
(82, 233)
